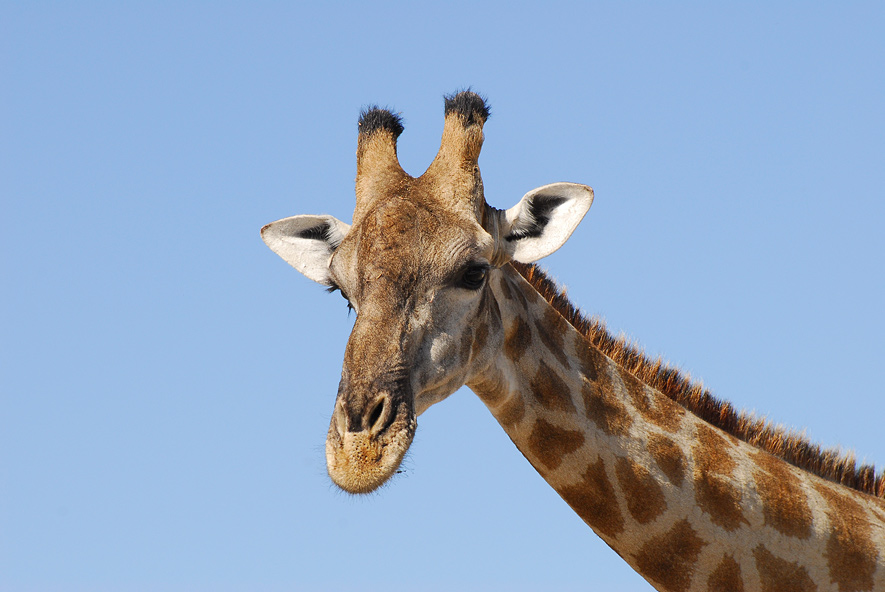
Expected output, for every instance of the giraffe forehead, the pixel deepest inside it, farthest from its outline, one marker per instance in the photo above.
(402, 239)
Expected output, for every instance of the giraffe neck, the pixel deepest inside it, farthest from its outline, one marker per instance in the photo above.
(687, 505)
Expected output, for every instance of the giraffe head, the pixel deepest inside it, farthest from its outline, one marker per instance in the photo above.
(415, 264)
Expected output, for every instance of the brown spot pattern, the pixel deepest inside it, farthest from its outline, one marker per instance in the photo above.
(780, 575)
(593, 499)
(550, 443)
(784, 503)
(851, 553)
(669, 559)
(657, 408)
(517, 340)
(513, 292)
(550, 390)
(506, 290)
(551, 331)
(669, 457)
(591, 360)
(726, 577)
(713, 469)
(645, 499)
(701, 402)
(511, 411)
(605, 410)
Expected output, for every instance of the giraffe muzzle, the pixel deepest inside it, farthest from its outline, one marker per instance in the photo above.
(368, 438)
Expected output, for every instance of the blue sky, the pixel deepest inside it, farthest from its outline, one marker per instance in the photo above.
(167, 380)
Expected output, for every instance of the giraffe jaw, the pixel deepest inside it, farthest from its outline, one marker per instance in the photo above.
(361, 462)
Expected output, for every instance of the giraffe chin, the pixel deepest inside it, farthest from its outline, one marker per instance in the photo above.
(361, 462)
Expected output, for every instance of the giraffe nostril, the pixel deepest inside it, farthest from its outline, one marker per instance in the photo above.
(376, 414)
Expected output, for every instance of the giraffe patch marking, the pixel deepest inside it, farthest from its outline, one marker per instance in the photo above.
(784, 504)
(514, 293)
(605, 410)
(550, 443)
(512, 411)
(780, 575)
(593, 498)
(669, 458)
(518, 339)
(506, 290)
(551, 331)
(658, 409)
(550, 390)
(851, 553)
(645, 499)
(726, 577)
(590, 359)
(669, 559)
(715, 495)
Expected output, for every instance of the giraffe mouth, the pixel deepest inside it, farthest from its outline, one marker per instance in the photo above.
(360, 458)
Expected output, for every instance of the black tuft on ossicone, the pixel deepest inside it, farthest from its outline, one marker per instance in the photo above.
(375, 118)
(469, 105)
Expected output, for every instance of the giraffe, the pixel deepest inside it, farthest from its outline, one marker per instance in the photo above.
(691, 493)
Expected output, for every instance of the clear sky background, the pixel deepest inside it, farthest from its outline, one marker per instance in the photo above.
(167, 381)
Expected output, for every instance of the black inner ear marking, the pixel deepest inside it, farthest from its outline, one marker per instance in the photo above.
(537, 217)
(321, 232)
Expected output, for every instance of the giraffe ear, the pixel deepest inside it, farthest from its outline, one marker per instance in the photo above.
(544, 219)
(306, 243)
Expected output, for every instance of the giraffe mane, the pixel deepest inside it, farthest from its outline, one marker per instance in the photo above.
(831, 464)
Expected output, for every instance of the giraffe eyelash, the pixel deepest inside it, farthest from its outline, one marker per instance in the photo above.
(333, 287)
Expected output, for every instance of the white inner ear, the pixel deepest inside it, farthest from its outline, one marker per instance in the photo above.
(306, 242)
(544, 219)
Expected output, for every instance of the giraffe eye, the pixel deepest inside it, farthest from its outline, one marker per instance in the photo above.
(474, 277)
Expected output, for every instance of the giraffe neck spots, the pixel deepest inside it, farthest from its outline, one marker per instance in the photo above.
(605, 410)
(669, 559)
(727, 576)
(685, 502)
(551, 331)
(549, 443)
(593, 498)
(672, 384)
(780, 575)
(659, 410)
(713, 477)
(784, 505)
(644, 496)
(517, 339)
(550, 390)
(668, 457)
(850, 553)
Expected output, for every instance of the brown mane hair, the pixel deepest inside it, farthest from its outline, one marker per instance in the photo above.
(792, 447)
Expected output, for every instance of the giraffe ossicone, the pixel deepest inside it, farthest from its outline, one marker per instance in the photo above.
(692, 494)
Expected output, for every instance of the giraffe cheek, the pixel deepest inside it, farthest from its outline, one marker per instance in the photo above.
(441, 349)
(439, 372)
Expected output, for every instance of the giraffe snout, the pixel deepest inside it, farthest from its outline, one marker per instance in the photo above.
(368, 438)
(373, 416)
